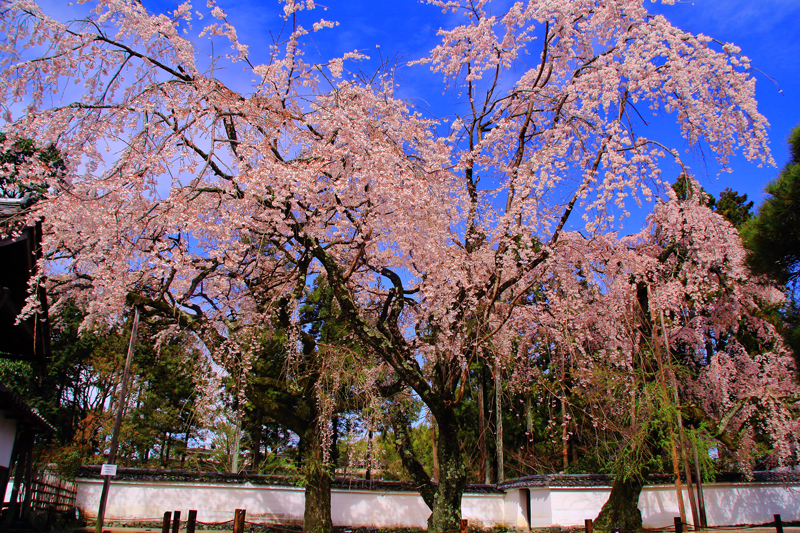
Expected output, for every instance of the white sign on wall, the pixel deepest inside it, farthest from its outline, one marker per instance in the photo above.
(108, 470)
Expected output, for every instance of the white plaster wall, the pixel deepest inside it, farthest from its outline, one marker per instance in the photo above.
(571, 506)
(752, 504)
(486, 510)
(514, 509)
(213, 502)
(659, 505)
(217, 502)
(8, 430)
(541, 507)
(379, 509)
(726, 504)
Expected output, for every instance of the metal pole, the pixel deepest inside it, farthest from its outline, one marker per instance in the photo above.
(112, 456)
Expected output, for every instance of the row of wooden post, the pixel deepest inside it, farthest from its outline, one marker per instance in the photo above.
(588, 525)
(173, 519)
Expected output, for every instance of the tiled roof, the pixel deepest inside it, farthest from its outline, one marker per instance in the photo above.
(153, 474)
(606, 480)
(11, 402)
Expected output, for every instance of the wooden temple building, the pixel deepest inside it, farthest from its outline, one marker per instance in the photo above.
(29, 340)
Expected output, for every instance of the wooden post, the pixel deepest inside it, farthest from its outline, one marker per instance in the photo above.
(462, 526)
(112, 454)
(165, 522)
(26, 503)
(191, 521)
(587, 525)
(176, 521)
(51, 513)
(238, 521)
(778, 524)
(678, 525)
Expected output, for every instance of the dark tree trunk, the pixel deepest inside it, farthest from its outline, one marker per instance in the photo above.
(443, 498)
(621, 511)
(259, 429)
(435, 451)
(446, 510)
(498, 403)
(317, 515)
(368, 473)
(484, 475)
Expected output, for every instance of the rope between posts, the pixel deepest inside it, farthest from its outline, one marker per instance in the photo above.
(271, 526)
(278, 528)
(214, 523)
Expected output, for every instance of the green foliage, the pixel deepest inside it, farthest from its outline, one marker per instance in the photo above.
(773, 239)
(684, 188)
(76, 391)
(731, 205)
(734, 207)
(392, 466)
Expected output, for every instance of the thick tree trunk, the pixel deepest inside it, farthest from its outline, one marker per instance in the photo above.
(444, 497)
(317, 515)
(446, 510)
(621, 511)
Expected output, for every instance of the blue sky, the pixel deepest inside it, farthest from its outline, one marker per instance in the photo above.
(766, 30)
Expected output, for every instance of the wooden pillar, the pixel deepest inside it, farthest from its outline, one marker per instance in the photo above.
(6, 476)
(26, 504)
(176, 521)
(191, 521)
(165, 522)
(112, 454)
(238, 521)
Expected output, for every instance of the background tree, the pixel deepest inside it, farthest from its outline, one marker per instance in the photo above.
(773, 238)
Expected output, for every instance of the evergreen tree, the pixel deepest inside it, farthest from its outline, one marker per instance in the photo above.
(773, 238)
